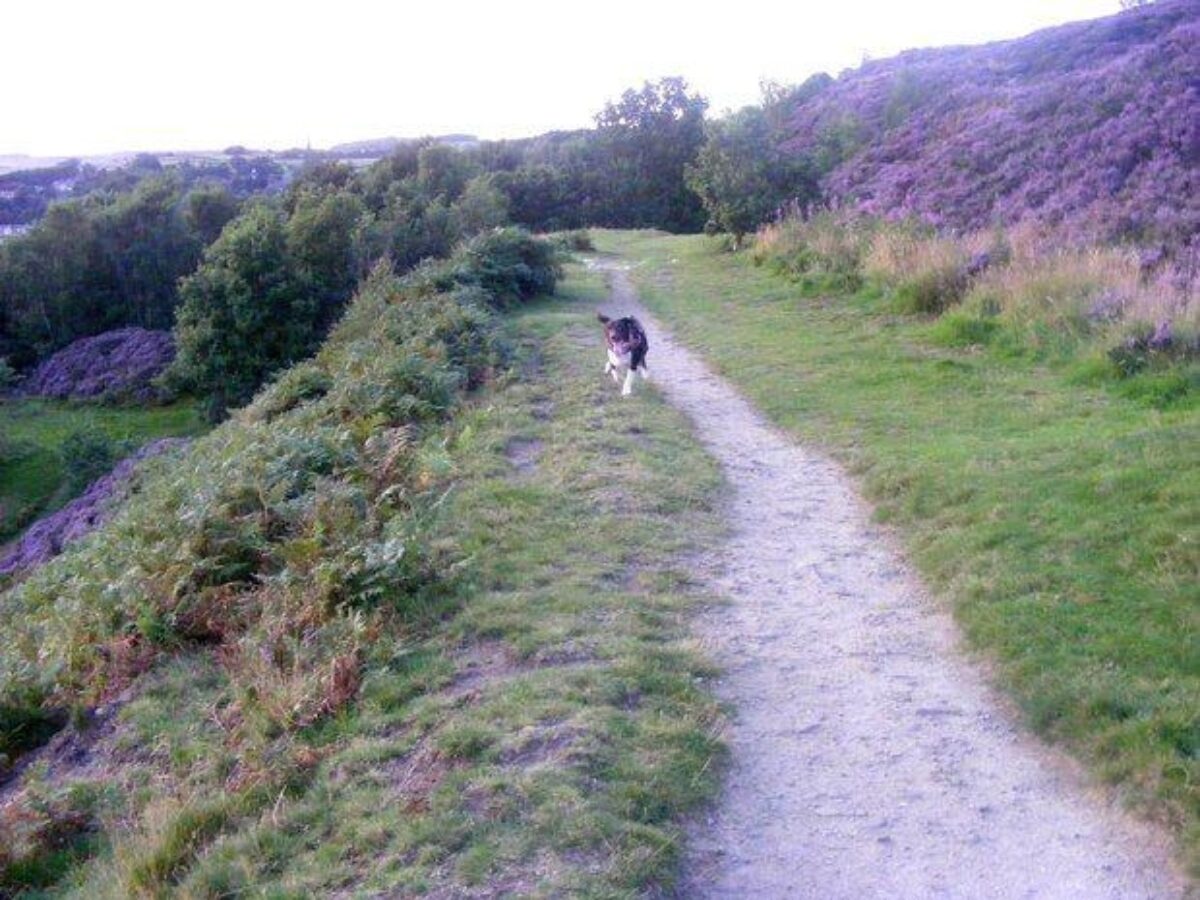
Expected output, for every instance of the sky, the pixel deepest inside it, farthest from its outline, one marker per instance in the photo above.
(86, 77)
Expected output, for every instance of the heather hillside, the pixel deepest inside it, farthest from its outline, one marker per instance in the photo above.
(1094, 126)
(120, 363)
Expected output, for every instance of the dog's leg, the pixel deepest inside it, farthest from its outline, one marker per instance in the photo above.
(611, 368)
(645, 372)
(628, 388)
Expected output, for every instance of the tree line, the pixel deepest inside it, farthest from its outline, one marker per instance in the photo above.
(250, 285)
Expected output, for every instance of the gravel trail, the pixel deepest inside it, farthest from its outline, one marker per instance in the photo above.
(869, 758)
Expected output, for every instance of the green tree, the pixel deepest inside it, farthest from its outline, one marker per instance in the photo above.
(207, 209)
(644, 142)
(742, 177)
(145, 245)
(443, 172)
(325, 243)
(482, 206)
(417, 231)
(244, 313)
(110, 259)
(47, 296)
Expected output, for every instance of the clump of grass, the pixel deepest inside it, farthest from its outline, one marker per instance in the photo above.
(47, 832)
(958, 329)
(1025, 290)
(927, 273)
(578, 240)
(824, 252)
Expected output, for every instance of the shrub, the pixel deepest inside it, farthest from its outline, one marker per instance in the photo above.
(86, 455)
(1145, 347)
(299, 384)
(245, 313)
(481, 206)
(509, 264)
(24, 722)
(578, 240)
(8, 375)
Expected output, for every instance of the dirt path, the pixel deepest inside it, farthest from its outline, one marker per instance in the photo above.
(869, 759)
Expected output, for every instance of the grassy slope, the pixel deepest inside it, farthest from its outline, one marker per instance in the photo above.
(541, 738)
(31, 482)
(1061, 520)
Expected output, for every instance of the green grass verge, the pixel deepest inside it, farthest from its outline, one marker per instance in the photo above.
(541, 735)
(32, 475)
(1060, 515)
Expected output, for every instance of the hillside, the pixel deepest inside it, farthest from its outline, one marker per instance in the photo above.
(1093, 125)
(332, 647)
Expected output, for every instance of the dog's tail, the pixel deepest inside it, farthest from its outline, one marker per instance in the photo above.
(604, 320)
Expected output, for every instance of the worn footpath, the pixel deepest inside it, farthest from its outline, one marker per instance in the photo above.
(869, 756)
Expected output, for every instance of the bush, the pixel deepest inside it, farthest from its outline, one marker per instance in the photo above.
(246, 312)
(299, 384)
(509, 264)
(577, 240)
(24, 723)
(87, 455)
(8, 375)
(1147, 347)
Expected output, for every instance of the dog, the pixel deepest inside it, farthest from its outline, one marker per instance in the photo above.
(627, 346)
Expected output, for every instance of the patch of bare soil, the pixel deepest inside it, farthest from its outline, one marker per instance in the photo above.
(523, 454)
(86, 751)
(869, 758)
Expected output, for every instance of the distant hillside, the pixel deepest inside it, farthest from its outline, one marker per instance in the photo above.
(383, 146)
(1094, 125)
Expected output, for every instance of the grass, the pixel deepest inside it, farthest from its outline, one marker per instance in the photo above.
(32, 475)
(539, 731)
(1059, 514)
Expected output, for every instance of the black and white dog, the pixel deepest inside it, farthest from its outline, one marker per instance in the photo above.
(627, 346)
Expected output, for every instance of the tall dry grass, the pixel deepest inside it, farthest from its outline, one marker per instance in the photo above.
(1027, 278)
(825, 251)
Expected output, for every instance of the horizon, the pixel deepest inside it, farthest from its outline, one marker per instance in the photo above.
(323, 80)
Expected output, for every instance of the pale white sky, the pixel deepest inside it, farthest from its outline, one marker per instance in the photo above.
(95, 76)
